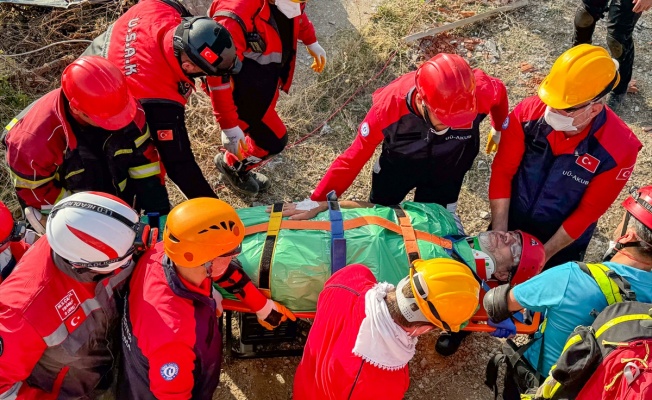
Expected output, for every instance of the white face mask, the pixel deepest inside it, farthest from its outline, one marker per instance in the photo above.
(289, 8)
(561, 123)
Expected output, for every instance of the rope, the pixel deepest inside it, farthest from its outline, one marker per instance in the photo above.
(45, 47)
(330, 117)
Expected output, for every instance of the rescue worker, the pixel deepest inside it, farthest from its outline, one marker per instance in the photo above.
(265, 33)
(564, 157)
(571, 295)
(90, 134)
(172, 345)
(428, 122)
(15, 239)
(58, 312)
(161, 48)
(622, 18)
(365, 332)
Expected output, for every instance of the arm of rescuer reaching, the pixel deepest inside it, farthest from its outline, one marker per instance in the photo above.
(22, 347)
(505, 165)
(296, 212)
(307, 33)
(236, 281)
(491, 98)
(220, 88)
(348, 165)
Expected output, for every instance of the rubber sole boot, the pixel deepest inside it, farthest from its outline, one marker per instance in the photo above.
(448, 343)
(263, 181)
(242, 182)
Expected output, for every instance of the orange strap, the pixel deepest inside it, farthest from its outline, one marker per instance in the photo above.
(409, 238)
(351, 224)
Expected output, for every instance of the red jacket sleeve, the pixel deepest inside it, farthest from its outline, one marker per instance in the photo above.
(22, 347)
(171, 372)
(508, 158)
(220, 89)
(491, 96)
(34, 178)
(306, 30)
(600, 194)
(347, 165)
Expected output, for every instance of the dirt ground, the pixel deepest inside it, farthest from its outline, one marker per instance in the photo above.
(518, 47)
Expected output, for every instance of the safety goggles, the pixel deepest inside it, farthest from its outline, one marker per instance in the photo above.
(426, 117)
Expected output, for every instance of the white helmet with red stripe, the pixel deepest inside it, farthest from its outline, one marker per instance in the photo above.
(93, 230)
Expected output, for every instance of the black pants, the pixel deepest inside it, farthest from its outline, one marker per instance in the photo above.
(620, 26)
(167, 126)
(397, 177)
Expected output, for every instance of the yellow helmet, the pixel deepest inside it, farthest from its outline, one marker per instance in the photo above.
(445, 291)
(582, 73)
(201, 229)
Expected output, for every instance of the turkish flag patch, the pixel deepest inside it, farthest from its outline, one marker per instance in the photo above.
(209, 55)
(165, 134)
(588, 162)
(75, 319)
(625, 173)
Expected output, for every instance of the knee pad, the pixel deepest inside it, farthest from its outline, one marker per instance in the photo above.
(495, 303)
(615, 46)
(583, 19)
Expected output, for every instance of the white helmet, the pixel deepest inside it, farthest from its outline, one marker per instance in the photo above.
(93, 230)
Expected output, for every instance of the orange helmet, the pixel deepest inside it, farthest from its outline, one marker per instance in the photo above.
(201, 229)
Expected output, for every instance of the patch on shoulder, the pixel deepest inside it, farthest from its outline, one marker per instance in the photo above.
(364, 129)
(505, 124)
(169, 371)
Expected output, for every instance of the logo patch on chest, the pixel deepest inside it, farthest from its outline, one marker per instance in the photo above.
(68, 305)
(165, 135)
(588, 162)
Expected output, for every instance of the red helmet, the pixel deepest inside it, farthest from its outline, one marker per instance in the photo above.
(447, 86)
(533, 257)
(6, 223)
(97, 88)
(639, 204)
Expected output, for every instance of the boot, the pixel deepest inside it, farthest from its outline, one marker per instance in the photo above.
(448, 343)
(263, 181)
(242, 182)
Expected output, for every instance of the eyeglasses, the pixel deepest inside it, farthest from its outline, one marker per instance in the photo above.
(233, 253)
(576, 108)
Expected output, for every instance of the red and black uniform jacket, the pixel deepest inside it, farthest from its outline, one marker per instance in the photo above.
(58, 328)
(554, 180)
(394, 122)
(329, 369)
(140, 43)
(172, 346)
(263, 72)
(51, 155)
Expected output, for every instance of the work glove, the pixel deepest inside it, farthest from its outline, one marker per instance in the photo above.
(233, 140)
(273, 314)
(492, 141)
(37, 220)
(217, 296)
(319, 54)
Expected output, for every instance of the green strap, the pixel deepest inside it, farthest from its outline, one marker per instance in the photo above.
(614, 287)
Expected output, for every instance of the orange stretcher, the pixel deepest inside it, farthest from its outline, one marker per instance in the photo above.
(478, 322)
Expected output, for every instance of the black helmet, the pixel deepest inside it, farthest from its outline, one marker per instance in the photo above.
(207, 44)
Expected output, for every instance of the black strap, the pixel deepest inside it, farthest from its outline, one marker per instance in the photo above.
(515, 355)
(177, 5)
(235, 17)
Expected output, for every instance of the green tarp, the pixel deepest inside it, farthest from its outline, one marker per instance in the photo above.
(302, 260)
